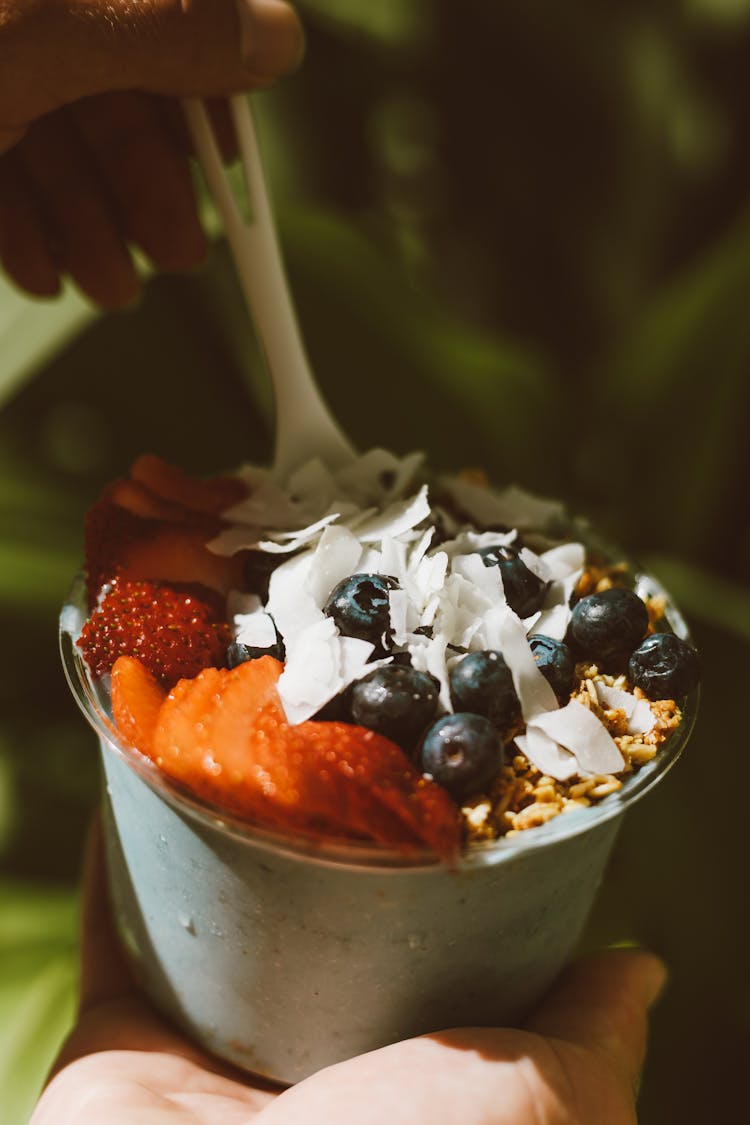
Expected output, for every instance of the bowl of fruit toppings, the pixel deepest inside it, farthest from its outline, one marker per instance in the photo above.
(367, 735)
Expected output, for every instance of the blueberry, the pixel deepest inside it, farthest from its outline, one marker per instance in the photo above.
(463, 753)
(396, 701)
(606, 627)
(556, 663)
(482, 683)
(664, 667)
(359, 606)
(240, 654)
(524, 590)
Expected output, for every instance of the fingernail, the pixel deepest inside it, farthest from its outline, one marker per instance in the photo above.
(271, 37)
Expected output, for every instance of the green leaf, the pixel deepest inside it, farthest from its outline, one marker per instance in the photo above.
(676, 396)
(37, 989)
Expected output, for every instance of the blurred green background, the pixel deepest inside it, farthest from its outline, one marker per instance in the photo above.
(519, 237)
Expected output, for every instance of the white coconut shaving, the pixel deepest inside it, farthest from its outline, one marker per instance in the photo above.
(375, 516)
(640, 718)
(319, 665)
(580, 731)
(513, 507)
(548, 756)
(254, 627)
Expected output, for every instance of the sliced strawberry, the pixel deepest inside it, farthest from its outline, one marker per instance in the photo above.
(119, 542)
(141, 501)
(175, 633)
(224, 736)
(209, 496)
(137, 697)
(176, 553)
(336, 759)
(108, 530)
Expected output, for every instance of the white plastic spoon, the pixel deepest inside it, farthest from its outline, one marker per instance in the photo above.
(304, 426)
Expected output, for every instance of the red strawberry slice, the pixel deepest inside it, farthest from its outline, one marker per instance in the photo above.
(141, 501)
(137, 697)
(170, 483)
(225, 737)
(177, 553)
(119, 542)
(175, 633)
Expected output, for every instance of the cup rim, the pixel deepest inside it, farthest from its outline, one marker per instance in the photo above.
(334, 851)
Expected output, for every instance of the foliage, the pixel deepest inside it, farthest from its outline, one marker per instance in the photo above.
(519, 240)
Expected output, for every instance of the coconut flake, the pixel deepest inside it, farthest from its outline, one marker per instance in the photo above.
(379, 476)
(267, 505)
(534, 693)
(290, 602)
(256, 629)
(487, 579)
(565, 560)
(428, 655)
(401, 516)
(547, 755)
(512, 507)
(429, 575)
(578, 730)
(392, 558)
(535, 563)
(551, 622)
(468, 542)
(233, 539)
(319, 664)
(640, 717)
(284, 542)
(420, 548)
(399, 605)
(336, 556)
(564, 565)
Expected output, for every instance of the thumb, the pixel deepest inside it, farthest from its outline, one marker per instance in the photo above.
(601, 1003)
(56, 51)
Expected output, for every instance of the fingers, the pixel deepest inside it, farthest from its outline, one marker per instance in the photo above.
(104, 974)
(602, 1003)
(84, 47)
(146, 175)
(87, 243)
(24, 251)
(87, 181)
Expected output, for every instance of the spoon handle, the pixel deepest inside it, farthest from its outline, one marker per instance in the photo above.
(305, 427)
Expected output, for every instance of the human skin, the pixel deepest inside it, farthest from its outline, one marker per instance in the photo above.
(94, 156)
(576, 1061)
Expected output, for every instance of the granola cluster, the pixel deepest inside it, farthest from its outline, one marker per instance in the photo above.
(522, 797)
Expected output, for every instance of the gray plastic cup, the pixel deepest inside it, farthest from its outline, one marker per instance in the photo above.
(284, 954)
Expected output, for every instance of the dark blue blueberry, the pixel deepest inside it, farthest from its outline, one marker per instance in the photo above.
(524, 590)
(482, 684)
(396, 701)
(240, 654)
(463, 753)
(664, 667)
(556, 663)
(359, 606)
(606, 627)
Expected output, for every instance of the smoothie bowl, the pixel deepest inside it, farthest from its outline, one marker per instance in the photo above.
(367, 740)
